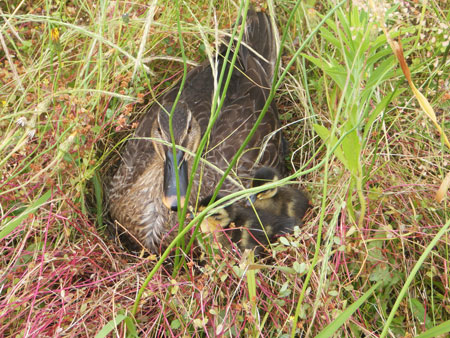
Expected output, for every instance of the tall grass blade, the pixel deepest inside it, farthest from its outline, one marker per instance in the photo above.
(332, 328)
(110, 326)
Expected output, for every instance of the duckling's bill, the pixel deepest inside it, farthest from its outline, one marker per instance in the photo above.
(170, 181)
(251, 200)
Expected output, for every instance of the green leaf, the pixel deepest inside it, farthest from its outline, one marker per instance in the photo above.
(251, 285)
(131, 328)
(299, 267)
(436, 331)
(333, 293)
(109, 113)
(251, 280)
(381, 273)
(329, 37)
(284, 291)
(175, 324)
(285, 241)
(351, 147)
(332, 68)
(111, 325)
(381, 106)
(419, 312)
(98, 192)
(14, 223)
(238, 271)
(26, 45)
(345, 30)
(371, 60)
(382, 72)
(324, 134)
(332, 328)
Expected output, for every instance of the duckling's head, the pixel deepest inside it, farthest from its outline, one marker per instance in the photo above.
(187, 134)
(264, 176)
(220, 218)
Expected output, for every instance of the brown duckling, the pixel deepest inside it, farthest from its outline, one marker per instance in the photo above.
(246, 227)
(279, 201)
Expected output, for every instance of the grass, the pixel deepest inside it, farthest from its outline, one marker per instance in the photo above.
(371, 260)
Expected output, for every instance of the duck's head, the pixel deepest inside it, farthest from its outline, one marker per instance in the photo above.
(186, 132)
(264, 176)
(220, 218)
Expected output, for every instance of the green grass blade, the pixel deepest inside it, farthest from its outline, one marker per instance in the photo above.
(14, 223)
(337, 323)
(131, 327)
(436, 331)
(110, 326)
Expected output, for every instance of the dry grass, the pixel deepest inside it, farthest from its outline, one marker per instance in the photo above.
(67, 98)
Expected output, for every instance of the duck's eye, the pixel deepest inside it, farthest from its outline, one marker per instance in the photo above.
(189, 129)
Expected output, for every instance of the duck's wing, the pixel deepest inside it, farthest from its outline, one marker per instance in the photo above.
(231, 129)
(136, 154)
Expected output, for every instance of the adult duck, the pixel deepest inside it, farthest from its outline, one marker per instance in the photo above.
(142, 194)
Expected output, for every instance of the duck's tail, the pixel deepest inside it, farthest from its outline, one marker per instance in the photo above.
(261, 36)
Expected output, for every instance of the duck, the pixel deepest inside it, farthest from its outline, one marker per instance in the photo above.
(282, 200)
(243, 227)
(142, 196)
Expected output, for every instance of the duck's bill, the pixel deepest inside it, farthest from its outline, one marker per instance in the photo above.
(170, 181)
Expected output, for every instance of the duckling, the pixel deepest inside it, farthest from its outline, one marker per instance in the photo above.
(279, 200)
(246, 227)
(142, 196)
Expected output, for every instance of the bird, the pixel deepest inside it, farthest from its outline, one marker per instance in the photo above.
(141, 196)
(244, 227)
(282, 200)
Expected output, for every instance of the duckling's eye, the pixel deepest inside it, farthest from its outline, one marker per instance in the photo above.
(189, 129)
